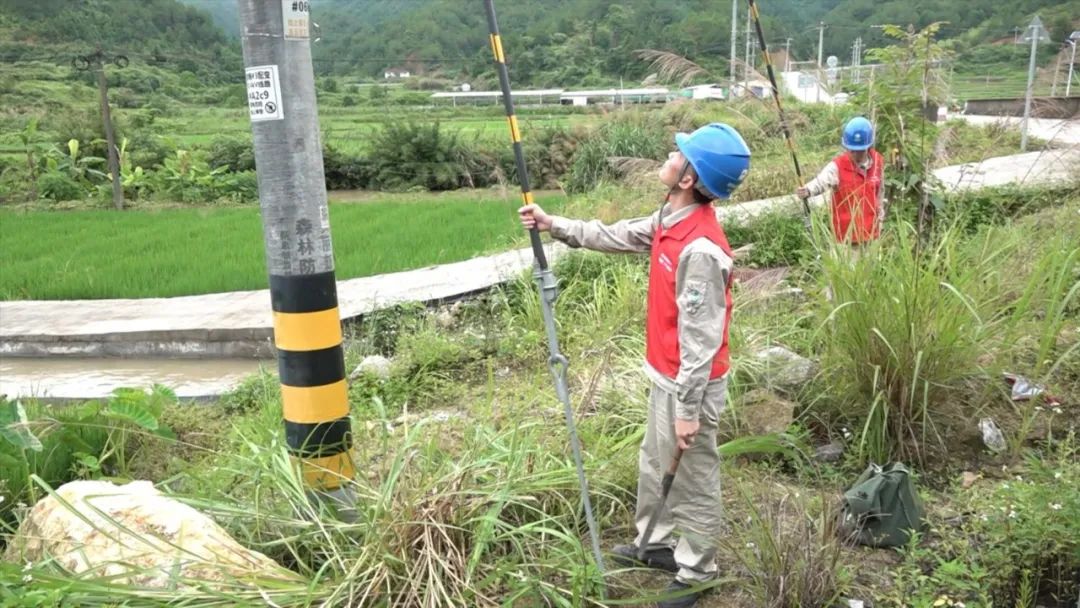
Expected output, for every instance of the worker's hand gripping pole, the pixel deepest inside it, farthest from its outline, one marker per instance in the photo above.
(545, 282)
(779, 106)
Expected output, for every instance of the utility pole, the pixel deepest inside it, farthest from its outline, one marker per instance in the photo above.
(299, 254)
(820, 48)
(1035, 33)
(787, 55)
(749, 50)
(1073, 39)
(734, 45)
(1057, 71)
(96, 61)
(820, 43)
(858, 59)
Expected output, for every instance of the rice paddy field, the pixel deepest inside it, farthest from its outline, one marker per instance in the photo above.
(91, 254)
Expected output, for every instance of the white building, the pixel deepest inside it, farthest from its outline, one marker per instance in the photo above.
(615, 96)
(536, 97)
(393, 73)
(704, 91)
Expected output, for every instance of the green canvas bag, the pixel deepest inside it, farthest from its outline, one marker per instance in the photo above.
(882, 508)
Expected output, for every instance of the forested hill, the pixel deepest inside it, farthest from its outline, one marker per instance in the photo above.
(163, 32)
(549, 41)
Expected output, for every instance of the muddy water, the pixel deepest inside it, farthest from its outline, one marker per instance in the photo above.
(63, 378)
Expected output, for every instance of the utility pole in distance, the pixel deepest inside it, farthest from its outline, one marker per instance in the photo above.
(1035, 34)
(96, 61)
(820, 42)
(299, 254)
(734, 46)
(749, 56)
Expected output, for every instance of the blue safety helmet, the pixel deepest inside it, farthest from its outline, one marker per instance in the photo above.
(719, 156)
(858, 134)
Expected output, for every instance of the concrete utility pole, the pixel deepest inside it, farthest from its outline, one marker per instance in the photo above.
(299, 254)
(734, 45)
(1035, 33)
(749, 49)
(1073, 39)
(96, 61)
(1057, 71)
(787, 55)
(820, 43)
(856, 61)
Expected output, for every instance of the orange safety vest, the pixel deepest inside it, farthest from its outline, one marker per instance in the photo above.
(662, 319)
(855, 203)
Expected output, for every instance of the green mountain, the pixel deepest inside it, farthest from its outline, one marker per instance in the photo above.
(548, 42)
(157, 32)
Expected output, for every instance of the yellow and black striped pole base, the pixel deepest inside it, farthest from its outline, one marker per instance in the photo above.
(311, 365)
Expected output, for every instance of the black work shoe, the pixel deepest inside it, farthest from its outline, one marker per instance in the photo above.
(661, 559)
(685, 600)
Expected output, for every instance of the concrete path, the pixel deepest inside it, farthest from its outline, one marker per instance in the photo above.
(239, 324)
(226, 325)
(1061, 132)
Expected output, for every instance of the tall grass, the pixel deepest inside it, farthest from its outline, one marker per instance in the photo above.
(915, 333)
(172, 252)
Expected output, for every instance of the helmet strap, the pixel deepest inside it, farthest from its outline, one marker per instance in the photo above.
(674, 188)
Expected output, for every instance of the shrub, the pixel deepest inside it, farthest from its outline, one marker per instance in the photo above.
(232, 153)
(779, 240)
(1029, 525)
(46, 447)
(408, 154)
(57, 186)
(344, 172)
(635, 135)
(913, 330)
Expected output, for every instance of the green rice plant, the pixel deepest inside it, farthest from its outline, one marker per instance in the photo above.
(171, 252)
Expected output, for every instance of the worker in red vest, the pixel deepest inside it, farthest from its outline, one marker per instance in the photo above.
(856, 179)
(686, 344)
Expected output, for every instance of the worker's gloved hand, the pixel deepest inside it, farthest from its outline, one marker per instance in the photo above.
(803, 192)
(532, 216)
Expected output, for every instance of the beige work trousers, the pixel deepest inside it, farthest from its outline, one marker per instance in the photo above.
(693, 507)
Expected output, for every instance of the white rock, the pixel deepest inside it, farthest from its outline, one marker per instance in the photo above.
(375, 365)
(138, 535)
(785, 369)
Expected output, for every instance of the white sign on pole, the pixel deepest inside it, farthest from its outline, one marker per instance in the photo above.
(294, 16)
(264, 93)
(1036, 29)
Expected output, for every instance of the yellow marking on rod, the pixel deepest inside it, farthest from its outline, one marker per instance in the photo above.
(515, 134)
(753, 9)
(315, 404)
(527, 198)
(496, 47)
(304, 331)
(327, 472)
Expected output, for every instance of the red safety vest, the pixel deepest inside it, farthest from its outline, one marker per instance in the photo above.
(855, 203)
(662, 320)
